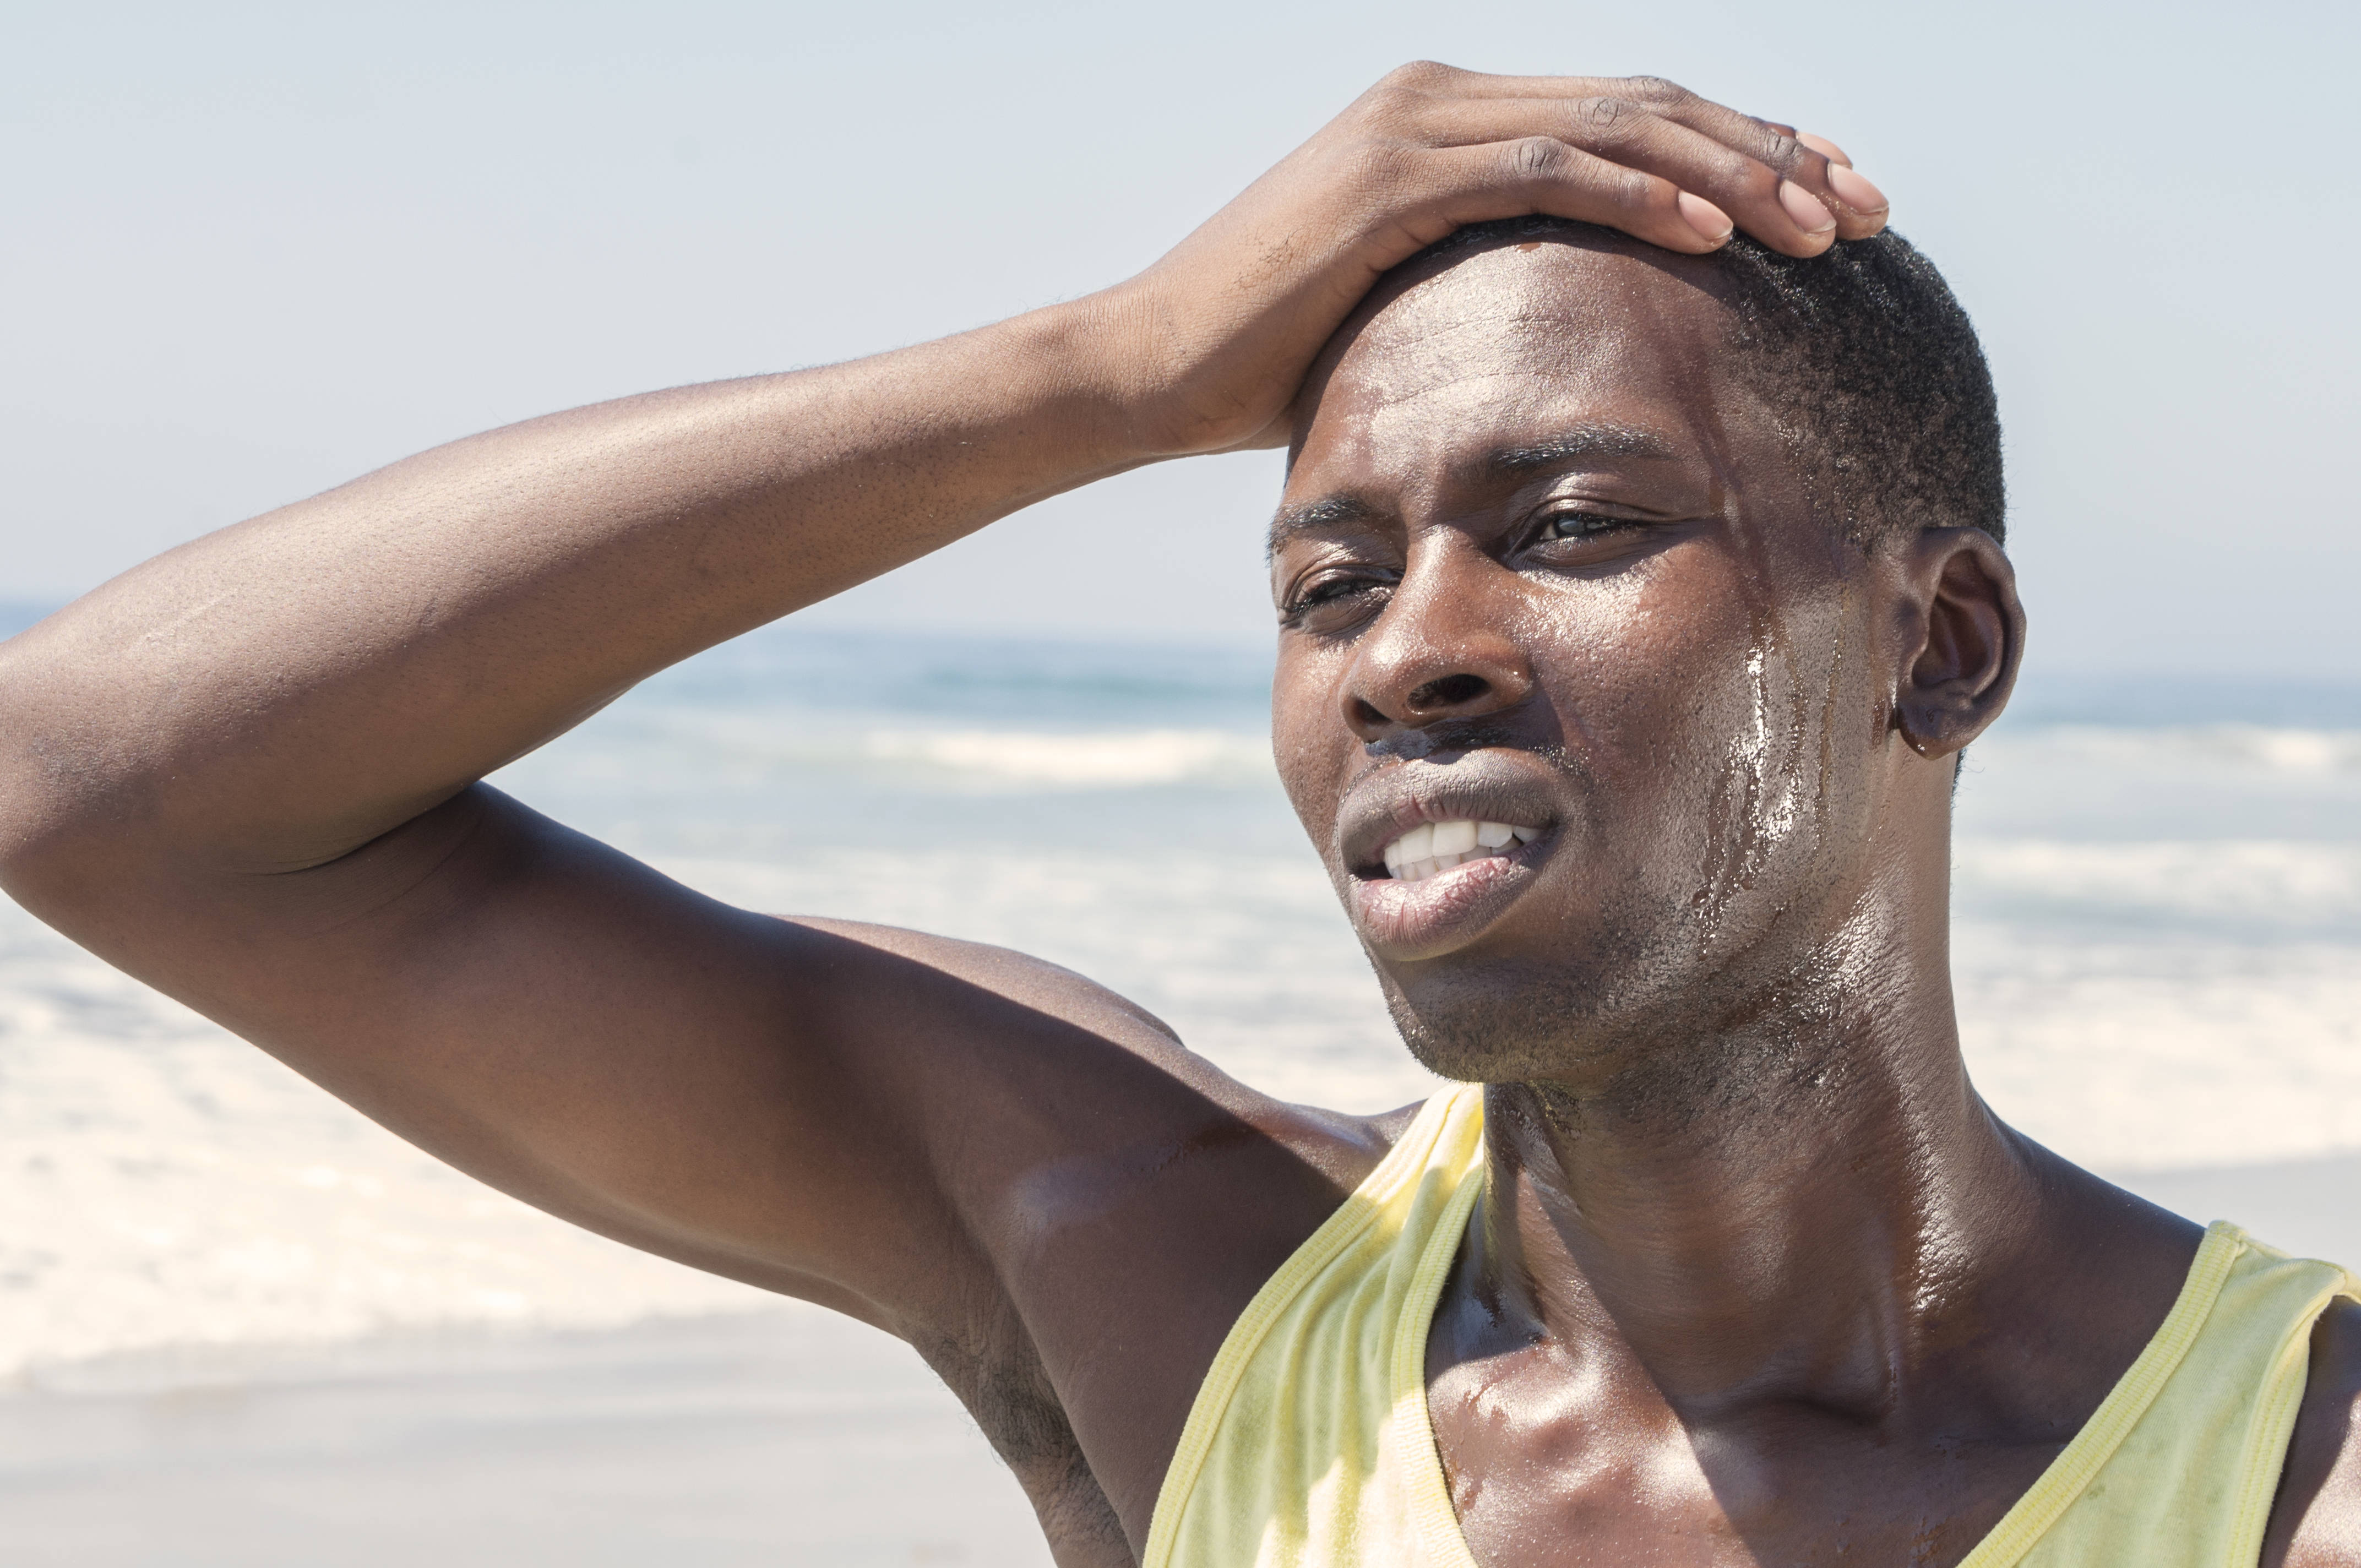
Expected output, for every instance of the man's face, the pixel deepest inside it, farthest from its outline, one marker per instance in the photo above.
(1545, 564)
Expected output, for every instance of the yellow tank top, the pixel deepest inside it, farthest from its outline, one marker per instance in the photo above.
(1309, 1445)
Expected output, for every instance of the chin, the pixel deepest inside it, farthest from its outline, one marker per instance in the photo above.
(1503, 1023)
(1619, 1011)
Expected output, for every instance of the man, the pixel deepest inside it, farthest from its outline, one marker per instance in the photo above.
(1636, 601)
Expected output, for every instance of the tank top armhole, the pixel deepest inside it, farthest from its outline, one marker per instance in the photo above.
(2265, 1459)
(2051, 1495)
(1337, 1233)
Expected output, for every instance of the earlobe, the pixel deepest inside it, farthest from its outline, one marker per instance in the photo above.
(1962, 639)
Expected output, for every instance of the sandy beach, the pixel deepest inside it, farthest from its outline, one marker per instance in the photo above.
(787, 1436)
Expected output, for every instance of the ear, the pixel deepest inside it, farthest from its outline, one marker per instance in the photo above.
(1961, 638)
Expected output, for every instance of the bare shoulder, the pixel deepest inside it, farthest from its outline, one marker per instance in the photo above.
(2316, 1520)
(1125, 1198)
(1112, 1076)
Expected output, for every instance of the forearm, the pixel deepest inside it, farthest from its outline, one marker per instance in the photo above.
(275, 693)
(280, 693)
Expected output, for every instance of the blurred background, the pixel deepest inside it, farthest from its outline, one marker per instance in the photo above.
(252, 251)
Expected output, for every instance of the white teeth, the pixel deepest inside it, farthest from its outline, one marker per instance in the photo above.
(1436, 847)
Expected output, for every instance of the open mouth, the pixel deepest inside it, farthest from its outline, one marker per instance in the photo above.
(1445, 882)
(1430, 848)
(1435, 854)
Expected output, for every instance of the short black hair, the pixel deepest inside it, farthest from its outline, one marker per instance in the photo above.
(1893, 402)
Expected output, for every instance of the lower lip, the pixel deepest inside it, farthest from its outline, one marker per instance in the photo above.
(1424, 919)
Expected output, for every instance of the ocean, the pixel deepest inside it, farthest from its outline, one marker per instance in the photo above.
(2158, 918)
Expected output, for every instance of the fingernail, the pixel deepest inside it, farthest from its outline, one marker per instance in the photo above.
(1804, 208)
(1711, 222)
(1854, 190)
(1825, 147)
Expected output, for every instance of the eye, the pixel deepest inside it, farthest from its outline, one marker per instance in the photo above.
(1575, 523)
(1332, 600)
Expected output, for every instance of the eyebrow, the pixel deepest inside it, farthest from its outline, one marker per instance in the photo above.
(1572, 445)
(1578, 442)
(1292, 522)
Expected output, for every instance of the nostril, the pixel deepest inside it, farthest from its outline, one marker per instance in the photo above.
(1451, 691)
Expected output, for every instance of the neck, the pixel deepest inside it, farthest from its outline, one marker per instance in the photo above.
(1791, 1207)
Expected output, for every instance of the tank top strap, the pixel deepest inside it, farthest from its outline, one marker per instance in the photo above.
(2178, 1465)
(1294, 1452)
(1309, 1444)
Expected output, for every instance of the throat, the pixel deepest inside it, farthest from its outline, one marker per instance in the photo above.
(1693, 1340)
(1804, 1241)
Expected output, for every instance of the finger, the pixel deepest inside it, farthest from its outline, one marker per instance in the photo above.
(1758, 198)
(1433, 77)
(1820, 144)
(1860, 201)
(1418, 93)
(1808, 161)
(1776, 144)
(1858, 207)
(1761, 138)
(1811, 165)
(1861, 208)
(1481, 182)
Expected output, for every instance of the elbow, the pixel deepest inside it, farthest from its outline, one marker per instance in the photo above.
(45, 843)
(61, 821)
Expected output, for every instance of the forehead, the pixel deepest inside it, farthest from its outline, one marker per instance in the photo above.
(1518, 344)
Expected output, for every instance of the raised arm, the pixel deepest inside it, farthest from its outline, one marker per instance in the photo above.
(423, 625)
(246, 772)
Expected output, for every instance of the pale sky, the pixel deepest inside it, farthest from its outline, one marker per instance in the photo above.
(251, 251)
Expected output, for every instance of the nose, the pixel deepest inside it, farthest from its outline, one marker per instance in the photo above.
(1444, 648)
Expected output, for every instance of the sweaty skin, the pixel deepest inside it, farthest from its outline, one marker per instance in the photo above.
(1752, 1249)
(1758, 1279)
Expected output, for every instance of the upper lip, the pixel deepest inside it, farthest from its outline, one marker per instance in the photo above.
(1489, 786)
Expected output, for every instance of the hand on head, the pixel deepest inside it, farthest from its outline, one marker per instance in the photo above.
(1211, 341)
